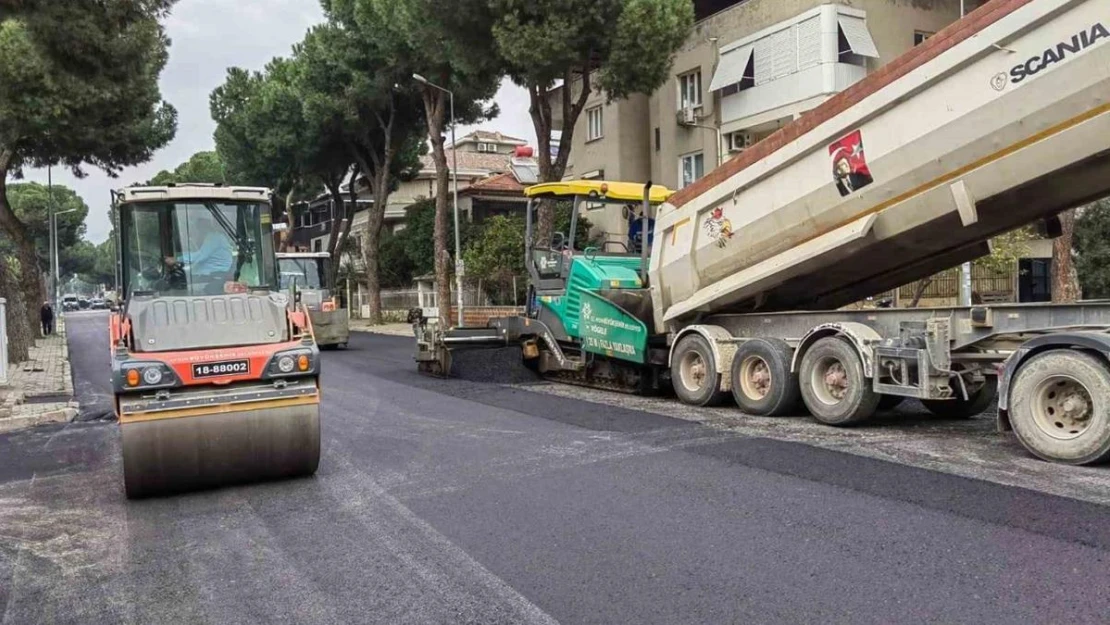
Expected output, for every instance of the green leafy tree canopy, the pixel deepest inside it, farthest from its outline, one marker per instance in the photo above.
(1092, 249)
(201, 167)
(78, 87)
(31, 203)
(618, 46)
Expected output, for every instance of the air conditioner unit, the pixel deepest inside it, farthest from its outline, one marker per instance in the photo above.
(740, 141)
(687, 116)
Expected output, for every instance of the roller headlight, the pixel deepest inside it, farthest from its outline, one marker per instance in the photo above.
(152, 375)
(286, 364)
(293, 362)
(139, 375)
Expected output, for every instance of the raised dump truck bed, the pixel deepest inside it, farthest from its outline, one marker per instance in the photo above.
(998, 121)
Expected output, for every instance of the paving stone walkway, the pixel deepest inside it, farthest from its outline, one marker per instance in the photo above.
(39, 390)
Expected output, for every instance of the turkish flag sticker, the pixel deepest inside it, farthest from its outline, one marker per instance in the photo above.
(849, 164)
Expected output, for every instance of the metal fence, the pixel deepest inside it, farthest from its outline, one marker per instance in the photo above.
(946, 284)
(405, 299)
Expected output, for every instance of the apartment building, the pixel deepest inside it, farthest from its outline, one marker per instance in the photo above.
(748, 68)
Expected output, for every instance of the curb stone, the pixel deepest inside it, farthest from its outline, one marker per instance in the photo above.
(62, 415)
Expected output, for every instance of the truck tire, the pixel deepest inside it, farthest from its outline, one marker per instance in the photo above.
(762, 382)
(1060, 407)
(833, 385)
(694, 373)
(979, 399)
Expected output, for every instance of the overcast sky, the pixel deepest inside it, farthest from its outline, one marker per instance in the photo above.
(208, 36)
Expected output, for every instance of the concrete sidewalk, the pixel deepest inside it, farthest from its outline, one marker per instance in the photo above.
(39, 390)
(391, 329)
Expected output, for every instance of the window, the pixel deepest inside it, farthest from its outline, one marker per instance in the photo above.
(658, 143)
(919, 37)
(196, 249)
(690, 168)
(689, 90)
(593, 124)
(317, 245)
(487, 147)
(308, 273)
(854, 41)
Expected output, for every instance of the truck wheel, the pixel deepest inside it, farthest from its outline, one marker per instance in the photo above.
(978, 400)
(762, 382)
(1060, 407)
(694, 373)
(833, 385)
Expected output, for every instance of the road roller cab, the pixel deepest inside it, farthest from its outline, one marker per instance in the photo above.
(310, 275)
(215, 374)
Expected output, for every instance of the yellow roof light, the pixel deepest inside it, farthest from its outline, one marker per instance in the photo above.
(606, 190)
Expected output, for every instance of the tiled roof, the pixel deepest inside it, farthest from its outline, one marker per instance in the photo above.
(471, 161)
(485, 135)
(500, 184)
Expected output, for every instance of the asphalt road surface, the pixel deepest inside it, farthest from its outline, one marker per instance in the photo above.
(464, 501)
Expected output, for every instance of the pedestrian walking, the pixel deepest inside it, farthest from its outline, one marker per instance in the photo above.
(46, 315)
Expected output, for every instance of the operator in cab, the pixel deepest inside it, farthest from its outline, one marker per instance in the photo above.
(211, 263)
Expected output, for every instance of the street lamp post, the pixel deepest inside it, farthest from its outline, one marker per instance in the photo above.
(53, 243)
(57, 266)
(454, 193)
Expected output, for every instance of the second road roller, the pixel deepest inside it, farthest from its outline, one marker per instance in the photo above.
(215, 373)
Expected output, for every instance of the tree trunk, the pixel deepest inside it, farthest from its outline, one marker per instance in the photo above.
(30, 278)
(376, 168)
(553, 171)
(919, 291)
(31, 287)
(435, 109)
(20, 339)
(1065, 281)
(287, 234)
(341, 224)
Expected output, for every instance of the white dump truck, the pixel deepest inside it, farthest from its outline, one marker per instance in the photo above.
(998, 121)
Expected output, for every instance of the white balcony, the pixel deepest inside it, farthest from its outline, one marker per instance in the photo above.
(792, 66)
(786, 96)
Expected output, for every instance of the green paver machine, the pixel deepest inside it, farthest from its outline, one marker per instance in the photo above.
(309, 273)
(588, 315)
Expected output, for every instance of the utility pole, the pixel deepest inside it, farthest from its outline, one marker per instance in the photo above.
(53, 251)
(965, 269)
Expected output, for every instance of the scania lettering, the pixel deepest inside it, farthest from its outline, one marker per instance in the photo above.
(1078, 43)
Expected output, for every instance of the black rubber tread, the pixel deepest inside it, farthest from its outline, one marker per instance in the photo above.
(710, 394)
(861, 401)
(1091, 447)
(785, 395)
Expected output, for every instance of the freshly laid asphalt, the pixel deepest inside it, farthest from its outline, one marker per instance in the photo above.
(466, 501)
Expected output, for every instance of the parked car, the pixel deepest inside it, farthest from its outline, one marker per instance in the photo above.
(83, 303)
(69, 302)
(98, 304)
